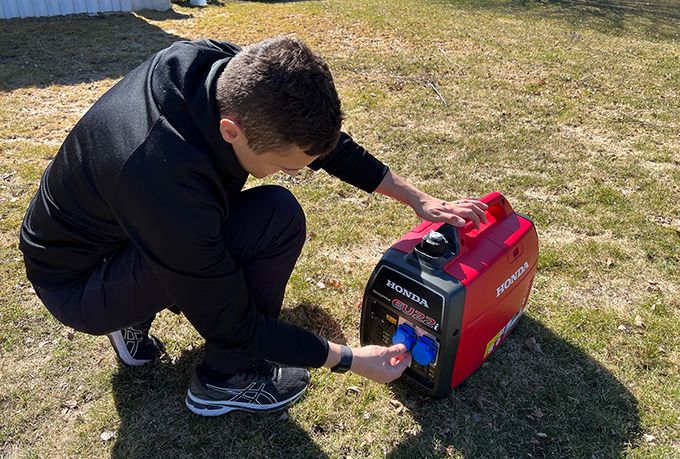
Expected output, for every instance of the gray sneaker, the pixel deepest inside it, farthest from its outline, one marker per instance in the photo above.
(262, 388)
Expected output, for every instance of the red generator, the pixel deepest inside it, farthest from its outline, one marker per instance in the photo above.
(452, 295)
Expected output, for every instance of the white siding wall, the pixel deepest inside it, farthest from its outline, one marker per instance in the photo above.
(32, 8)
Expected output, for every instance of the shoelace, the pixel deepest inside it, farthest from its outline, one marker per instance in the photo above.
(263, 369)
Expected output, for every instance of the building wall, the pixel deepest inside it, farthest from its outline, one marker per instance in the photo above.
(34, 8)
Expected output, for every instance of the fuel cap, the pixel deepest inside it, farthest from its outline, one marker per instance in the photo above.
(434, 244)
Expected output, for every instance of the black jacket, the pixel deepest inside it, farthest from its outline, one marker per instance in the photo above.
(147, 164)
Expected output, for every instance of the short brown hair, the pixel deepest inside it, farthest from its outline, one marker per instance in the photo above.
(282, 93)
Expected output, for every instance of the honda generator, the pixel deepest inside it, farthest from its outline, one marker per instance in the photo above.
(452, 295)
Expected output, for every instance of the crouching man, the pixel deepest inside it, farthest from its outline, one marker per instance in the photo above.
(143, 209)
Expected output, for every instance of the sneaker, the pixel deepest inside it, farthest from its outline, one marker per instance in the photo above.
(135, 346)
(263, 387)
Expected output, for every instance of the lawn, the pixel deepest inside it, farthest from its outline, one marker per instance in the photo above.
(570, 108)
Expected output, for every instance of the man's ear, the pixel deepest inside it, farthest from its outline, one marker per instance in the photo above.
(231, 130)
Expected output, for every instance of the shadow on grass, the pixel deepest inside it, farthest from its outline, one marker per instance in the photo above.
(556, 402)
(40, 52)
(154, 420)
(654, 18)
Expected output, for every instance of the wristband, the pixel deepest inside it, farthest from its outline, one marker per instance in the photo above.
(345, 360)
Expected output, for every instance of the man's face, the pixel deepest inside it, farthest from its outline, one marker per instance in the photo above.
(288, 160)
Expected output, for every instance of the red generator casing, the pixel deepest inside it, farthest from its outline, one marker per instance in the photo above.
(451, 294)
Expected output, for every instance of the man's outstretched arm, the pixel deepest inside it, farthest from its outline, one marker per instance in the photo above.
(430, 208)
(353, 164)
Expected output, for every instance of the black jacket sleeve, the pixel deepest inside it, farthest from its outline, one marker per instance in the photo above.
(174, 215)
(351, 163)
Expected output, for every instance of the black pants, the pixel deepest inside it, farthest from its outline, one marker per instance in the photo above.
(264, 232)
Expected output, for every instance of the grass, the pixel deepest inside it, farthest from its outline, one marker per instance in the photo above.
(568, 107)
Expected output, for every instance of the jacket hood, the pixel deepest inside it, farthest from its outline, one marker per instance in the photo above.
(184, 83)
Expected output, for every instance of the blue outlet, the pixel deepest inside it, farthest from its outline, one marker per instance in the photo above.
(405, 334)
(425, 351)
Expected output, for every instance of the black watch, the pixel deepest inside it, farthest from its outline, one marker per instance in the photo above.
(345, 360)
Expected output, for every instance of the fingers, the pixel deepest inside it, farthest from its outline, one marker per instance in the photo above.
(406, 362)
(397, 366)
(477, 203)
(455, 213)
(399, 359)
(462, 213)
(480, 211)
(381, 364)
(456, 221)
(471, 215)
(396, 354)
(469, 209)
(396, 350)
(400, 363)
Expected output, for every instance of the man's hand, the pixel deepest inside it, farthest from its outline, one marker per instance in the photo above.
(429, 208)
(381, 364)
(455, 213)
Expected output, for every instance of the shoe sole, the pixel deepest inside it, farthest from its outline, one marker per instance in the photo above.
(124, 355)
(215, 408)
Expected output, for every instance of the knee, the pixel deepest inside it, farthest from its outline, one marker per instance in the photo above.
(287, 208)
(70, 316)
(72, 321)
(89, 327)
(274, 217)
(90, 330)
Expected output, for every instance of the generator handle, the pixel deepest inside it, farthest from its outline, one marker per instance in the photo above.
(498, 208)
(458, 237)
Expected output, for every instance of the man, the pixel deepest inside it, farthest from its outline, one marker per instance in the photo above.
(142, 209)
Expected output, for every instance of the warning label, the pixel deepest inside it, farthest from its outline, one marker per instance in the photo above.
(498, 339)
